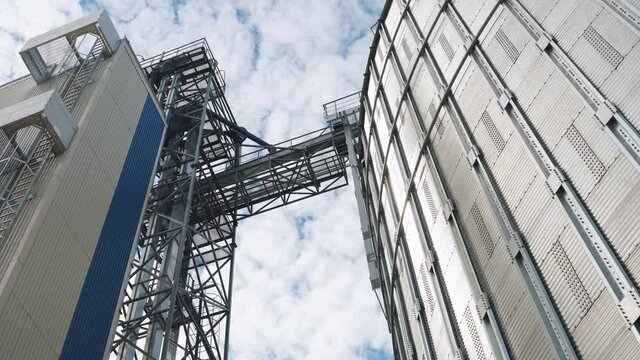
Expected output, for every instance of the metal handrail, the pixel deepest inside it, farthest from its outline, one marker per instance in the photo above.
(347, 103)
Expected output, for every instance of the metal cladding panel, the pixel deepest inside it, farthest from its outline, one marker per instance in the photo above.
(524, 114)
(623, 85)
(554, 109)
(539, 217)
(89, 329)
(608, 339)
(56, 235)
(525, 335)
(614, 200)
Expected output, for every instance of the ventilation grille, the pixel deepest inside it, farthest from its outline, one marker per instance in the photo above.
(507, 45)
(448, 50)
(475, 338)
(432, 110)
(482, 229)
(571, 277)
(407, 50)
(439, 125)
(586, 154)
(405, 337)
(430, 202)
(494, 134)
(427, 289)
(603, 47)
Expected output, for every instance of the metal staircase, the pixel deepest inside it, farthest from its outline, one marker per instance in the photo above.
(74, 86)
(20, 170)
(19, 188)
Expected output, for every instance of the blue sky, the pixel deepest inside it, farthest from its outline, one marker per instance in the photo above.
(301, 286)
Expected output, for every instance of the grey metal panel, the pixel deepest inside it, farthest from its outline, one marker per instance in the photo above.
(623, 85)
(539, 218)
(393, 16)
(396, 175)
(489, 138)
(540, 9)
(482, 231)
(517, 73)
(455, 279)
(51, 279)
(612, 340)
(470, 326)
(24, 88)
(60, 226)
(383, 125)
(392, 89)
(595, 56)
(505, 42)
(529, 86)
(424, 91)
(424, 11)
(444, 247)
(576, 17)
(581, 263)
(578, 161)
(614, 202)
(428, 196)
(448, 149)
(13, 347)
(408, 47)
(599, 142)
(526, 336)
(566, 287)
(513, 171)
(504, 284)
(469, 9)
(473, 95)
(554, 109)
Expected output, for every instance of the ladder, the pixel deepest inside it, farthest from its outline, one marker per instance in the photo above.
(74, 86)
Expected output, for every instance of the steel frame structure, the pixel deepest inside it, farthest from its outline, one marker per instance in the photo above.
(177, 300)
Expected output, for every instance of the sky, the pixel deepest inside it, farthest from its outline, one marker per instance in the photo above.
(301, 287)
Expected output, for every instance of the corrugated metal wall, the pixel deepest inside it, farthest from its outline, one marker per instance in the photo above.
(75, 210)
(503, 173)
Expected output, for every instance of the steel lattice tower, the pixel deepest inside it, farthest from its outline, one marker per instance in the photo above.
(210, 174)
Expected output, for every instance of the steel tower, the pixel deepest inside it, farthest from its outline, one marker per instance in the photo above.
(211, 173)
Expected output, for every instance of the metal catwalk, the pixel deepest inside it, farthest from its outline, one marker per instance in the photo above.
(211, 173)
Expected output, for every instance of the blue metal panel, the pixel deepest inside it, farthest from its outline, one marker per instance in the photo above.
(89, 329)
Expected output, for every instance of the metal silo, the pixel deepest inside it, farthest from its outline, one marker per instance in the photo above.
(502, 175)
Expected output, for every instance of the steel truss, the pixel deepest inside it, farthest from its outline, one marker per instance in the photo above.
(177, 301)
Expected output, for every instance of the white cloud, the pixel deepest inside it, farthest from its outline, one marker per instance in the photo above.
(301, 287)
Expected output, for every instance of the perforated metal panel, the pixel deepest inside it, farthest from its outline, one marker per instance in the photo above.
(603, 47)
(446, 47)
(586, 154)
(424, 278)
(493, 132)
(507, 45)
(482, 230)
(477, 348)
(571, 277)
